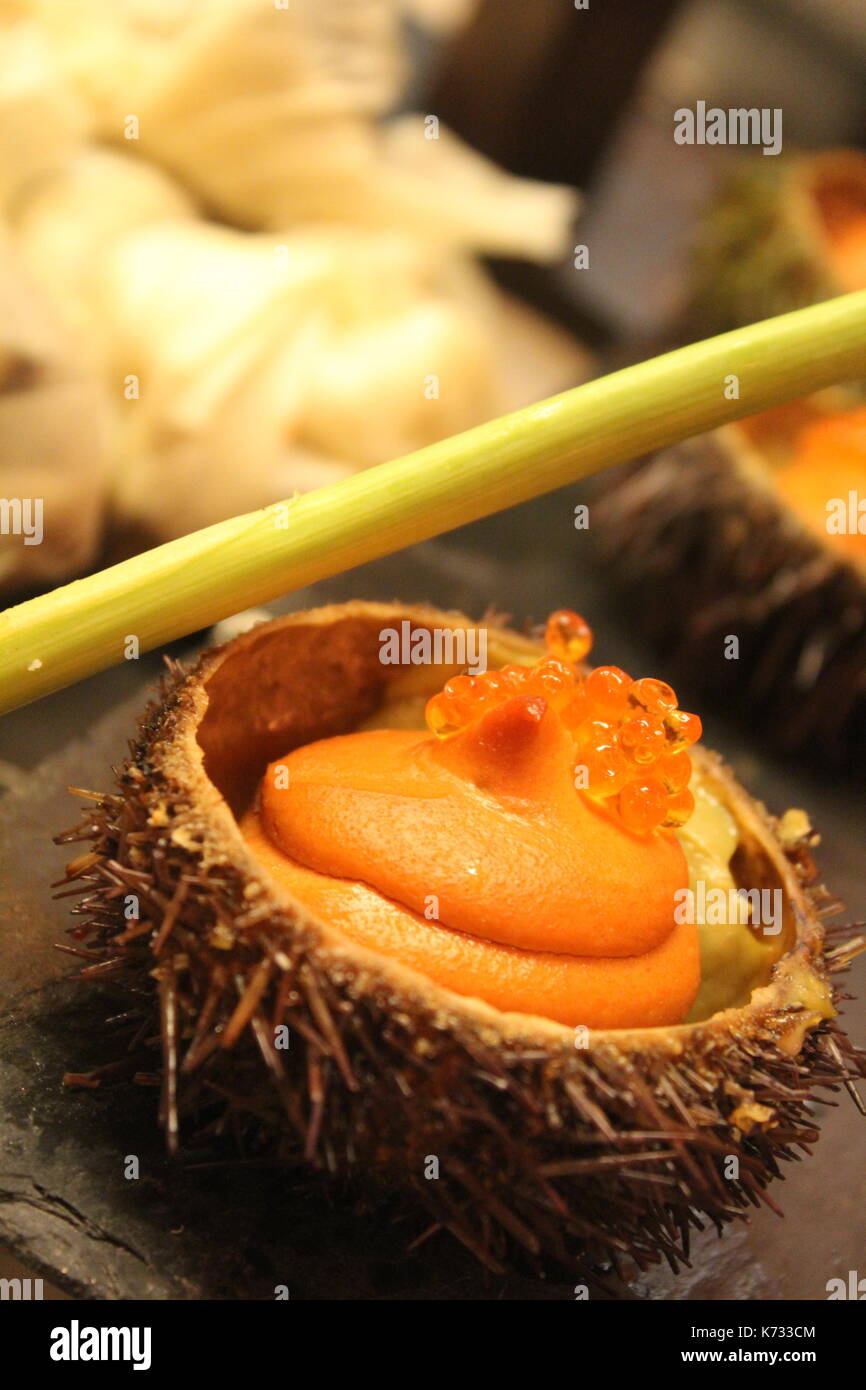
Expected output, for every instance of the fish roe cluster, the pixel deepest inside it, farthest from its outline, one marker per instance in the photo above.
(631, 736)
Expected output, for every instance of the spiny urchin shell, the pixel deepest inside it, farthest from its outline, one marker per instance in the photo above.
(559, 1155)
(763, 247)
(707, 510)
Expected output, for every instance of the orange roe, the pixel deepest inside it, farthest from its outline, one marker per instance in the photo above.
(630, 735)
(567, 635)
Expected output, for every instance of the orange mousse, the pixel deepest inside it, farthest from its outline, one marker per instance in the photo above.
(825, 481)
(848, 248)
(850, 252)
(475, 860)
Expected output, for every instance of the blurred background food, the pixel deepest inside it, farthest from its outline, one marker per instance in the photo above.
(725, 549)
(778, 238)
(253, 269)
(744, 551)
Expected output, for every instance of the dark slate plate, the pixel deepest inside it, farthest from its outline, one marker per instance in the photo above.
(235, 1232)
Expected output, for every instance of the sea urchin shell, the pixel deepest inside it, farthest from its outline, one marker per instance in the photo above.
(795, 603)
(559, 1153)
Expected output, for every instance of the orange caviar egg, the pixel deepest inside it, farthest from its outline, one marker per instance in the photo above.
(460, 688)
(682, 729)
(515, 677)
(489, 688)
(607, 688)
(652, 695)
(643, 806)
(643, 738)
(679, 807)
(442, 718)
(551, 678)
(606, 770)
(450, 710)
(575, 709)
(675, 771)
(566, 635)
(596, 733)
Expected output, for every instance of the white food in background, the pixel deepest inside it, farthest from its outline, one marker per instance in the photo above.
(332, 319)
(42, 120)
(52, 436)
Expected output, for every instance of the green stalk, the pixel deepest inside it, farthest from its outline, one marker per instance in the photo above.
(58, 638)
